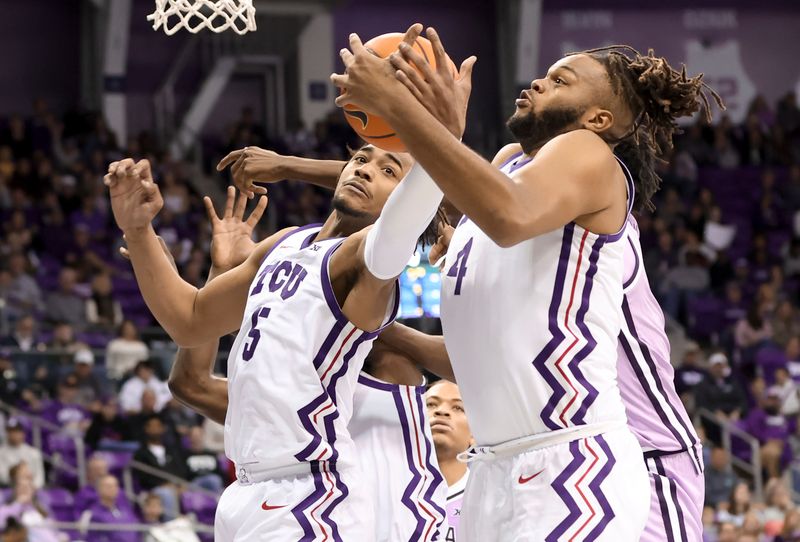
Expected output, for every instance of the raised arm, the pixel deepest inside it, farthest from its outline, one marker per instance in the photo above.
(255, 165)
(191, 316)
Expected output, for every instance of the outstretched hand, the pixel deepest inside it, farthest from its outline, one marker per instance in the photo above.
(439, 249)
(135, 197)
(445, 98)
(369, 82)
(232, 235)
(253, 165)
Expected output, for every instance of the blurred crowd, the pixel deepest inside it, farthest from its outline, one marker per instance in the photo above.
(78, 349)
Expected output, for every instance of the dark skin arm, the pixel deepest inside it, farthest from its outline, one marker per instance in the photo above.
(427, 351)
(255, 165)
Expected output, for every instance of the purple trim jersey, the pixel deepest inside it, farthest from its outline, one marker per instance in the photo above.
(395, 449)
(532, 329)
(656, 414)
(293, 367)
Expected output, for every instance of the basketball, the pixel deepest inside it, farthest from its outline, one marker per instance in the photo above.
(372, 128)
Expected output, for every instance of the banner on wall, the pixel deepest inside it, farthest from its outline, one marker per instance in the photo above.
(742, 53)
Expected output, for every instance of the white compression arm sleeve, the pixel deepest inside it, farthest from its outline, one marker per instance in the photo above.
(408, 211)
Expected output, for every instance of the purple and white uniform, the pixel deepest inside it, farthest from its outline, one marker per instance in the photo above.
(532, 334)
(656, 415)
(455, 500)
(292, 373)
(395, 449)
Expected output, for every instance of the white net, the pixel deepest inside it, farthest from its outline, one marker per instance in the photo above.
(194, 15)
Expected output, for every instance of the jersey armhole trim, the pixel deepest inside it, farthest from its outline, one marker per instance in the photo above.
(284, 237)
(333, 304)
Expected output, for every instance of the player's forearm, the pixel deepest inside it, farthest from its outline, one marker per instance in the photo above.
(427, 351)
(324, 173)
(407, 213)
(167, 295)
(477, 188)
(193, 383)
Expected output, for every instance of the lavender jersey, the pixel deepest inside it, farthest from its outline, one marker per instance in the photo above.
(455, 498)
(532, 329)
(656, 414)
(398, 461)
(293, 367)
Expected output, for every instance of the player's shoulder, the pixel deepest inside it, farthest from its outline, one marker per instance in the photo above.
(579, 151)
(266, 245)
(505, 153)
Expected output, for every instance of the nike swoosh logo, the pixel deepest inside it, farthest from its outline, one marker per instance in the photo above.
(265, 506)
(360, 115)
(523, 480)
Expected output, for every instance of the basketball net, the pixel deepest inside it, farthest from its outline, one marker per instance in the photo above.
(194, 15)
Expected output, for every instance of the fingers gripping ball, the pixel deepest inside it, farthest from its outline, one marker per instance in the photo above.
(372, 128)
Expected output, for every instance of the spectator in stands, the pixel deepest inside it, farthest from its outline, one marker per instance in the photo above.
(17, 451)
(152, 509)
(684, 282)
(791, 260)
(125, 351)
(785, 323)
(109, 430)
(772, 430)
(102, 310)
(719, 476)
(10, 386)
(202, 465)
(96, 469)
(144, 378)
(14, 531)
(83, 257)
(64, 339)
(90, 387)
(787, 388)
(65, 411)
(64, 305)
(24, 295)
(792, 354)
(24, 336)
(737, 506)
(689, 374)
(778, 500)
(25, 506)
(791, 527)
(753, 331)
(720, 393)
(156, 455)
(107, 511)
(214, 434)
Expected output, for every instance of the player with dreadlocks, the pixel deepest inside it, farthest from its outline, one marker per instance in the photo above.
(534, 278)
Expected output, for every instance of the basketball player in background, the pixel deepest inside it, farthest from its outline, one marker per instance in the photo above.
(290, 401)
(389, 425)
(556, 460)
(452, 437)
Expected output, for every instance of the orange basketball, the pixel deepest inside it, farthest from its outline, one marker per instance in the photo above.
(372, 128)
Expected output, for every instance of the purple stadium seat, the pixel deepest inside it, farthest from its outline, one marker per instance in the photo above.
(59, 501)
(770, 358)
(705, 317)
(202, 505)
(117, 461)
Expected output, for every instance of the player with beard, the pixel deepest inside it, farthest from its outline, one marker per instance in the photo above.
(534, 279)
(307, 302)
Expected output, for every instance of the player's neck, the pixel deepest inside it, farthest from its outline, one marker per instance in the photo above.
(342, 225)
(452, 469)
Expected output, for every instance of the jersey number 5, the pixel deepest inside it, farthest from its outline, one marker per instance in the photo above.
(255, 334)
(459, 269)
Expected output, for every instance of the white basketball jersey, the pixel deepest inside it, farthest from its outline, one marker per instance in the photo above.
(293, 367)
(455, 497)
(532, 329)
(398, 461)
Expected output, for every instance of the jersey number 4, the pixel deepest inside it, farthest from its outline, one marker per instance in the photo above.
(255, 334)
(459, 269)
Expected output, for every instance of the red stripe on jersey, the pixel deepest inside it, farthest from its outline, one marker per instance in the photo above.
(344, 342)
(575, 337)
(590, 518)
(419, 459)
(327, 496)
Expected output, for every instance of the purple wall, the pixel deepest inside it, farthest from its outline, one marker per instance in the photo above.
(40, 44)
(466, 27)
